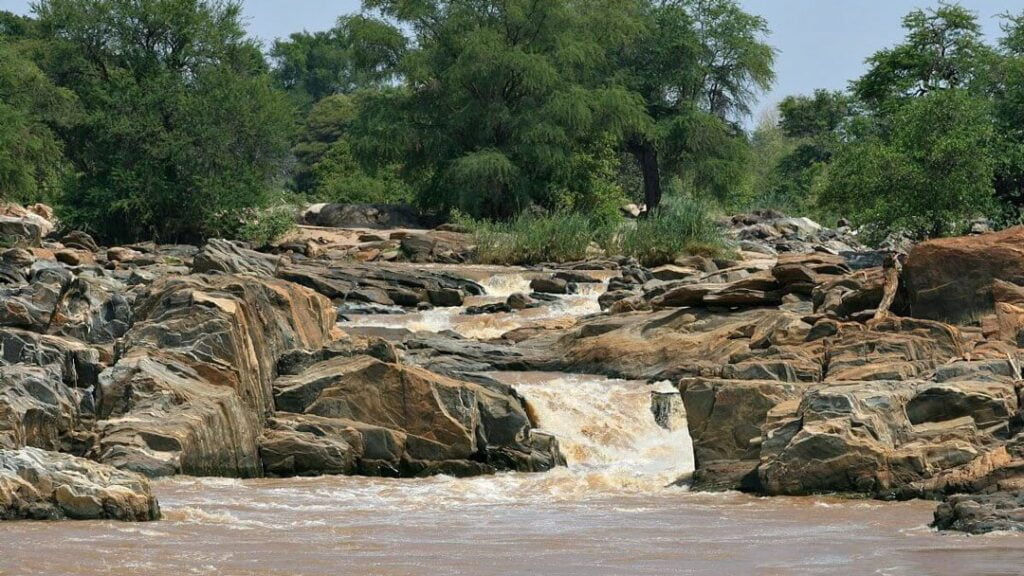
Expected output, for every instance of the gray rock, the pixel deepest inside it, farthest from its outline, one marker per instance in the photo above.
(40, 485)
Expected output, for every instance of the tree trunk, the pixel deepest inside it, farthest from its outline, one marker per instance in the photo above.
(647, 157)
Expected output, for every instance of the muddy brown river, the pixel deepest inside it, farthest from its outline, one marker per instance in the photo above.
(618, 509)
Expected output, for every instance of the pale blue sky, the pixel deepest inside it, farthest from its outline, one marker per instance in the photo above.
(821, 43)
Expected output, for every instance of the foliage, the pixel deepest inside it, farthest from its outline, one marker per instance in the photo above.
(358, 52)
(923, 141)
(679, 226)
(531, 239)
(928, 178)
(943, 50)
(327, 168)
(697, 65)
(501, 98)
(31, 155)
(181, 129)
(261, 226)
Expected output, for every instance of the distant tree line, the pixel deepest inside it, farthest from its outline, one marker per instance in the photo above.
(929, 138)
(163, 119)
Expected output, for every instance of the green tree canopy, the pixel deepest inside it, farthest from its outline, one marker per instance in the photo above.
(499, 98)
(31, 155)
(358, 52)
(182, 133)
(943, 49)
(697, 65)
(933, 172)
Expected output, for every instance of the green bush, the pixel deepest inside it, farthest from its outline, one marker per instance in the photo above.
(179, 136)
(260, 227)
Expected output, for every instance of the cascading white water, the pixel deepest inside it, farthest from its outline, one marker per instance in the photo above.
(498, 287)
(608, 431)
(503, 285)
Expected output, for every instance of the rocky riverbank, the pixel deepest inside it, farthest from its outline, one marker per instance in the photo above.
(806, 363)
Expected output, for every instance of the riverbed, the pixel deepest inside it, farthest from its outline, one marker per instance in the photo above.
(621, 507)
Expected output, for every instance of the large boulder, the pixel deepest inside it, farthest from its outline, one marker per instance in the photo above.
(982, 513)
(40, 485)
(380, 284)
(20, 231)
(229, 257)
(444, 425)
(373, 216)
(32, 305)
(727, 419)
(884, 438)
(299, 445)
(951, 279)
(161, 416)
(193, 388)
(94, 309)
(79, 364)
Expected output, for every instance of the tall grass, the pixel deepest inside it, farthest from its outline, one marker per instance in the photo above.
(678, 227)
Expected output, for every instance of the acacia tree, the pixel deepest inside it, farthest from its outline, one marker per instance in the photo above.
(499, 98)
(925, 163)
(182, 133)
(698, 65)
(943, 49)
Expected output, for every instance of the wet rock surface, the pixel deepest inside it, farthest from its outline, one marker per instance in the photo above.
(806, 363)
(40, 485)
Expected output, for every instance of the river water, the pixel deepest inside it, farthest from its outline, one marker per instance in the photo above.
(618, 509)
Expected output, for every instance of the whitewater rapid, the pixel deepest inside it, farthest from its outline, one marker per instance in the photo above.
(618, 508)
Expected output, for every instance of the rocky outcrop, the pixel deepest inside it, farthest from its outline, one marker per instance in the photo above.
(381, 285)
(727, 421)
(193, 388)
(428, 423)
(301, 445)
(883, 438)
(40, 485)
(234, 258)
(755, 344)
(36, 407)
(938, 285)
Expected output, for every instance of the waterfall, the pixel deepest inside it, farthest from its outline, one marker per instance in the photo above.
(615, 434)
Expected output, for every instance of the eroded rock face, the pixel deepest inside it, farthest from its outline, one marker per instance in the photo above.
(229, 257)
(951, 279)
(429, 423)
(758, 344)
(20, 230)
(40, 485)
(192, 391)
(36, 407)
(378, 284)
(300, 445)
(727, 419)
